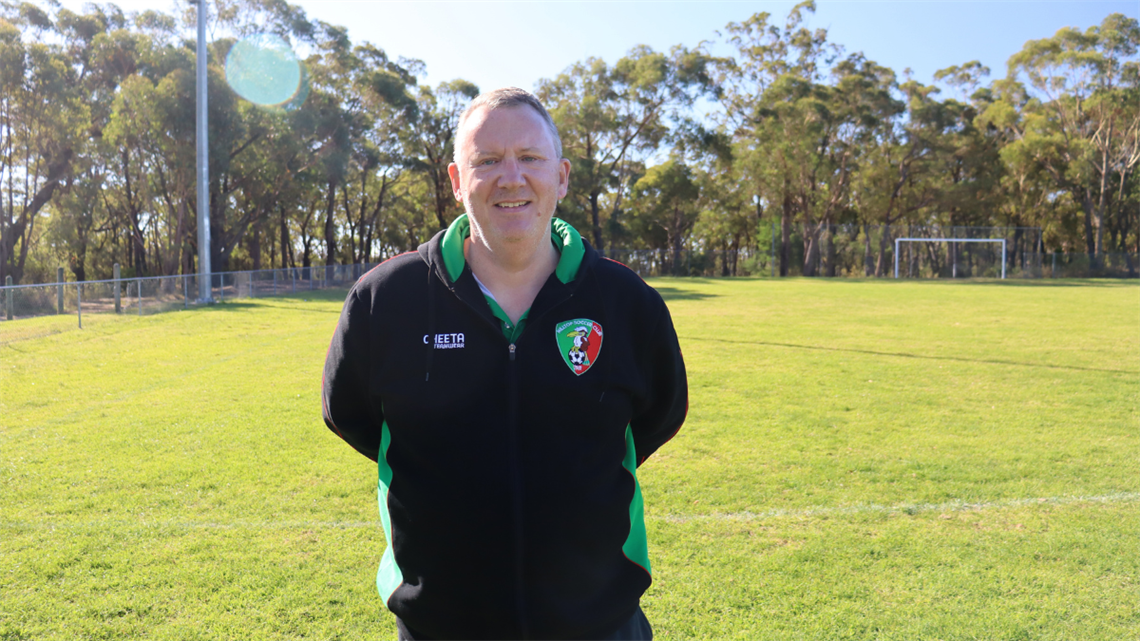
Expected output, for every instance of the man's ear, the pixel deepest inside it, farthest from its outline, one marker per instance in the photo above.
(563, 177)
(456, 188)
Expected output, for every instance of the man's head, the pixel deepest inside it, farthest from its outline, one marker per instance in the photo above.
(505, 98)
(508, 171)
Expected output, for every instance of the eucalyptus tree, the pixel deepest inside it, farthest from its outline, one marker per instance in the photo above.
(436, 119)
(611, 118)
(802, 116)
(1082, 122)
(892, 184)
(967, 157)
(379, 89)
(42, 116)
(664, 203)
(775, 74)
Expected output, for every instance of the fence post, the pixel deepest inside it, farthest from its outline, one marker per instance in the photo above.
(185, 292)
(275, 282)
(118, 302)
(140, 296)
(293, 279)
(8, 296)
(79, 302)
(59, 290)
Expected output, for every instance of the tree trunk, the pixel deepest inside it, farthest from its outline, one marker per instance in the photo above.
(868, 263)
(596, 220)
(1090, 238)
(255, 248)
(330, 226)
(811, 249)
(829, 254)
(286, 249)
(675, 235)
(785, 234)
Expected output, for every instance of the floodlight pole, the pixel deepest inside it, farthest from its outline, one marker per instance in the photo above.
(205, 289)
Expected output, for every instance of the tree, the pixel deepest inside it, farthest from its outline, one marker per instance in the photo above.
(664, 203)
(41, 116)
(435, 124)
(609, 118)
(1083, 124)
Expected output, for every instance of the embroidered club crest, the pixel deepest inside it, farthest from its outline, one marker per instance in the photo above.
(579, 342)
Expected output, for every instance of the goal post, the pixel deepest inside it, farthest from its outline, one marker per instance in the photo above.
(949, 240)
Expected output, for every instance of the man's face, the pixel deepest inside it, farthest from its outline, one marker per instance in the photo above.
(507, 175)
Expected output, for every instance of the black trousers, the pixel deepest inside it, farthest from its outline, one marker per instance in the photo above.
(636, 629)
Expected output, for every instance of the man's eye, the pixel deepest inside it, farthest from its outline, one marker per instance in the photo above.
(487, 163)
(528, 159)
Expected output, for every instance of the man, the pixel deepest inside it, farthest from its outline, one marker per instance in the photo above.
(508, 381)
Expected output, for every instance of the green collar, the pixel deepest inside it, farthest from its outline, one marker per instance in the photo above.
(565, 238)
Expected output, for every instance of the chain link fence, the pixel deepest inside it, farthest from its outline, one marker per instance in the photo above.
(153, 294)
(848, 256)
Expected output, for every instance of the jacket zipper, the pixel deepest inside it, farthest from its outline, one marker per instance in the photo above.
(515, 464)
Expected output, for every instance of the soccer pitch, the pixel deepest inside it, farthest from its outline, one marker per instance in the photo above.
(862, 460)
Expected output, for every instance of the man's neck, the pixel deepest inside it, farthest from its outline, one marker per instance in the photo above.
(514, 277)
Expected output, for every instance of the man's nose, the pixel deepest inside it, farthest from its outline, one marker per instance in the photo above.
(512, 173)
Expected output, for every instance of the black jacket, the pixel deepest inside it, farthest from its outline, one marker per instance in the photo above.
(507, 482)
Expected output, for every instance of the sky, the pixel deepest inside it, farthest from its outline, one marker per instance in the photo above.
(502, 43)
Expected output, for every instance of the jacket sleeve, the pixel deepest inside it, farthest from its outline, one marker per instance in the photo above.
(344, 388)
(669, 394)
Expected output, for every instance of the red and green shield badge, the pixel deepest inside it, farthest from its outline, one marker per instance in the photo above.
(579, 342)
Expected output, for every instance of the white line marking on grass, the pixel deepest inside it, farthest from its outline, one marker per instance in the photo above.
(867, 508)
(903, 508)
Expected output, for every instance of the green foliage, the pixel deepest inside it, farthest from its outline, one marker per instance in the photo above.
(353, 166)
(861, 460)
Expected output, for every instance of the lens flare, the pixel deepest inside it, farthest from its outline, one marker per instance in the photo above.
(264, 70)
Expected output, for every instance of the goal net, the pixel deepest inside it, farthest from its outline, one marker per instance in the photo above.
(954, 272)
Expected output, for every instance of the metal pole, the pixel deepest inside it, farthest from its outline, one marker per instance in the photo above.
(275, 282)
(204, 289)
(293, 279)
(140, 296)
(118, 301)
(8, 296)
(79, 302)
(1003, 258)
(59, 290)
(896, 258)
(185, 291)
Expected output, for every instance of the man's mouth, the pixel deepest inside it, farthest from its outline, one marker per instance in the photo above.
(514, 204)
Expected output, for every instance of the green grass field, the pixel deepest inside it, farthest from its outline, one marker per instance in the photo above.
(862, 460)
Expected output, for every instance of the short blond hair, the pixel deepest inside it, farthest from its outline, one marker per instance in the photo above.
(502, 99)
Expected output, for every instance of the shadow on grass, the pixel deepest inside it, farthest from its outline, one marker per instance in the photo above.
(673, 293)
(294, 302)
(959, 359)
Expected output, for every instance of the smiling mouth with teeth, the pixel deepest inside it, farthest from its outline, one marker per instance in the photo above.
(512, 205)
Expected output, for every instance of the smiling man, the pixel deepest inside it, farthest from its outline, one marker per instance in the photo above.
(508, 381)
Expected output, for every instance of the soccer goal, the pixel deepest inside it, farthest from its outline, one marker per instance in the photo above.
(949, 240)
